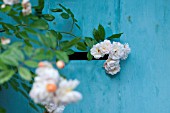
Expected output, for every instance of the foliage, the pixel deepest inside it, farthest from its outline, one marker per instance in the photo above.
(35, 41)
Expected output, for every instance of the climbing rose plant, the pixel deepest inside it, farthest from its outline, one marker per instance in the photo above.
(32, 54)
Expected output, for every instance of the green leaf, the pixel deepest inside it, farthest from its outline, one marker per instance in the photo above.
(40, 24)
(45, 40)
(89, 41)
(6, 9)
(6, 75)
(62, 56)
(39, 54)
(56, 10)
(52, 38)
(50, 55)
(24, 35)
(9, 26)
(2, 110)
(81, 46)
(24, 94)
(33, 106)
(101, 32)
(89, 56)
(12, 12)
(16, 44)
(24, 73)
(65, 16)
(7, 58)
(3, 66)
(30, 30)
(18, 54)
(26, 87)
(28, 50)
(14, 84)
(115, 36)
(96, 35)
(48, 17)
(31, 63)
(69, 44)
(70, 52)
(59, 36)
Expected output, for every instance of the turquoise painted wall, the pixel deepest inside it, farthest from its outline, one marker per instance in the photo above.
(142, 86)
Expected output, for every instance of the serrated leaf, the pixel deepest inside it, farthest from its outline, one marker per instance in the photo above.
(81, 46)
(115, 36)
(40, 24)
(101, 31)
(56, 10)
(89, 56)
(65, 16)
(6, 75)
(62, 56)
(24, 73)
(31, 63)
(48, 17)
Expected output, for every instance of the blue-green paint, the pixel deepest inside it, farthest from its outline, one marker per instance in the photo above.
(142, 86)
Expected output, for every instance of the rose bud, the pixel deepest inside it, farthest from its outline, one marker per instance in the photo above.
(60, 64)
(51, 88)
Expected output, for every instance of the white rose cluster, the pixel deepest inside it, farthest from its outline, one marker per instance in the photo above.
(25, 4)
(116, 52)
(53, 91)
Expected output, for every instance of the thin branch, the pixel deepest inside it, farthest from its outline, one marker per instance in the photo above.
(72, 26)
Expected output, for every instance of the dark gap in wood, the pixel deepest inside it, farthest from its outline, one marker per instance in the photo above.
(83, 56)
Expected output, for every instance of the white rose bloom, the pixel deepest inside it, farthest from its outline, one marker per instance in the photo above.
(96, 52)
(53, 108)
(126, 51)
(117, 51)
(47, 72)
(112, 66)
(105, 47)
(39, 92)
(5, 41)
(10, 2)
(27, 8)
(65, 93)
(50, 88)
